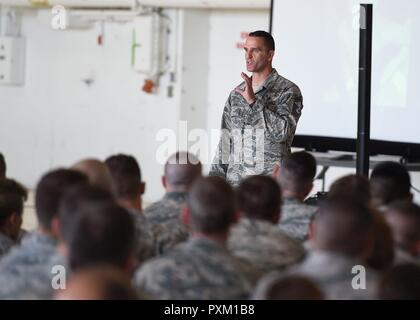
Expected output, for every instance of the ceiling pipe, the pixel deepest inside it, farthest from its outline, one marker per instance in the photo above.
(208, 4)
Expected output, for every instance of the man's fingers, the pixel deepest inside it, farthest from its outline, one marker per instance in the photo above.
(240, 91)
(247, 79)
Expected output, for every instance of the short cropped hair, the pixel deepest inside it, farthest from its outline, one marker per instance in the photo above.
(126, 175)
(268, 38)
(104, 234)
(50, 190)
(389, 181)
(297, 170)
(211, 205)
(259, 197)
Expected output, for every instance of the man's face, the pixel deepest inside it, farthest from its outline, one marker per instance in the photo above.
(257, 56)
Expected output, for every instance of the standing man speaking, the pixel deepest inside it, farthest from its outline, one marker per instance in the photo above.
(260, 116)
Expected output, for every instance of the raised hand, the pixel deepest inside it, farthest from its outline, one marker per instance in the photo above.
(248, 92)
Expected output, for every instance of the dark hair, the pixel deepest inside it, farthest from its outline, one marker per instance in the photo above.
(10, 186)
(268, 38)
(9, 204)
(259, 197)
(12, 197)
(126, 175)
(289, 287)
(72, 202)
(297, 170)
(389, 181)
(211, 205)
(355, 187)
(2, 167)
(104, 234)
(343, 225)
(181, 169)
(49, 191)
(402, 282)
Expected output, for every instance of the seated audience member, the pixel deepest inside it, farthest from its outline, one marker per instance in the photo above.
(98, 283)
(295, 176)
(341, 239)
(12, 197)
(128, 189)
(256, 238)
(389, 181)
(402, 282)
(201, 268)
(2, 167)
(181, 169)
(356, 188)
(104, 234)
(68, 214)
(96, 171)
(282, 287)
(404, 219)
(23, 268)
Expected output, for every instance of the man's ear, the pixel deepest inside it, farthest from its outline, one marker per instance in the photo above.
(312, 231)
(163, 180)
(132, 264)
(309, 188)
(277, 216)
(15, 219)
(416, 249)
(55, 227)
(142, 188)
(276, 172)
(186, 215)
(236, 217)
(270, 55)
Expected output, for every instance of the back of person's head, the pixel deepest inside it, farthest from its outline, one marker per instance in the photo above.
(268, 38)
(211, 205)
(103, 234)
(355, 187)
(297, 172)
(2, 167)
(126, 176)
(50, 190)
(12, 198)
(181, 169)
(10, 186)
(259, 197)
(99, 283)
(402, 282)
(96, 171)
(344, 226)
(389, 181)
(404, 220)
(72, 202)
(383, 252)
(288, 287)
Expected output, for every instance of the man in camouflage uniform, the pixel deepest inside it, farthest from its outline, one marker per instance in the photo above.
(201, 268)
(342, 240)
(256, 238)
(128, 189)
(260, 116)
(295, 175)
(181, 169)
(25, 273)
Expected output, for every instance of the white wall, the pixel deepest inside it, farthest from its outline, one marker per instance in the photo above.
(56, 119)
